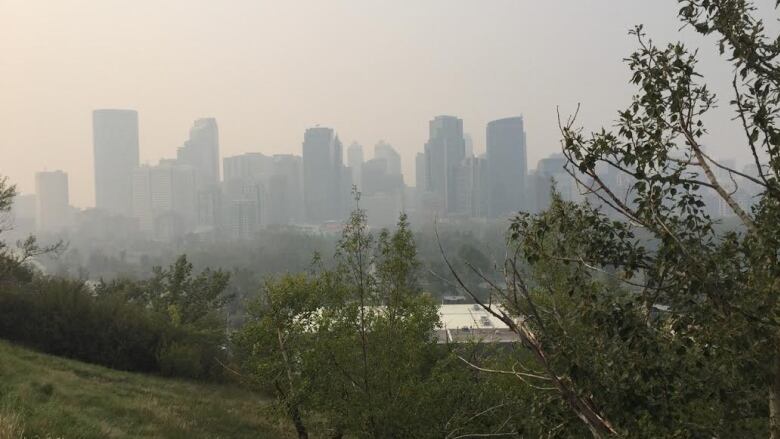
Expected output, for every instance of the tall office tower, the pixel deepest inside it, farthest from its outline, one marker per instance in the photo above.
(285, 196)
(243, 204)
(378, 178)
(201, 151)
(444, 150)
(469, 145)
(323, 176)
(251, 166)
(419, 172)
(355, 162)
(383, 150)
(507, 168)
(115, 139)
(550, 172)
(53, 206)
(165, 199)
(470, 181)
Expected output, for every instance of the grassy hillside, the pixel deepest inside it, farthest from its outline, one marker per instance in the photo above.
(42, 396)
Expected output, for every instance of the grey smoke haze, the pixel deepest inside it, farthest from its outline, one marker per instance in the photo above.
(266, 70)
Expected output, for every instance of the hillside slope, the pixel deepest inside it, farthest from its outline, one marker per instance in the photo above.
(42, 396)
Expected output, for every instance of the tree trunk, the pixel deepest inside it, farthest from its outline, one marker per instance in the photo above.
(292, 406)
(300, 428)
(774, 395)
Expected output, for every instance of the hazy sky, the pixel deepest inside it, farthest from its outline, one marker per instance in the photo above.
(371, 69)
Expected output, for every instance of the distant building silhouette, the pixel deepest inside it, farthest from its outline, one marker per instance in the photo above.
(325, 187)
(115, 139)
(383, 150)
(250, 166)
(507, 167)
(470, 181)
(165, 199)
(444, 150)
(550, 173)
(53, 205)
(419, 172)
(285, 203)
(201, 151)
(469, 145)
(355, 161)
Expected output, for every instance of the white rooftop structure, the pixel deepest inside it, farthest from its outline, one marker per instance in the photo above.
(471, 322)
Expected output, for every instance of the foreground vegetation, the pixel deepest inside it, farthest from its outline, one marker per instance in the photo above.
(638, 316)
(42, 396)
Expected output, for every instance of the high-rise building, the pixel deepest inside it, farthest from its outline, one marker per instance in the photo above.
(383, 150)
(115, 140)
(550, 172)
(252, 166)
(165, 199)
(53, 206)
(286, 197)
(201, 151)
(355, 161)
(378, 178)
(244, 204)
(323, 176)
(469, 145)
(470, 182)
(507, 168)
(419, 172)
(444, 150)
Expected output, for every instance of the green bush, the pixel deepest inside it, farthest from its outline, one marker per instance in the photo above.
(65, 318)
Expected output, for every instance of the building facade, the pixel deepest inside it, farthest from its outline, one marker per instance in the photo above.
(507, 166)
(324, 181)
(115, 142)
(445, 149)
(52, 201)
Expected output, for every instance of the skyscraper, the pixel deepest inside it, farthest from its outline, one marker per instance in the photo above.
(355, 162)
(201, 151)
(419, 172)
(383, 150)
(469, 145)
(53, 206)
(550, 172)
(115, 140)
(470, 182)
(444, 150)
(165, 199)
(285, 187)
(507, 168)
(250, 166)
(323, 172)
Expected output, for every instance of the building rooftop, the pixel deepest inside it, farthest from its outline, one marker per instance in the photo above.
(463, 323)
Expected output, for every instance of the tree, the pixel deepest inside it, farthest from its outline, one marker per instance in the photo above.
(661, 300)
(13, 260)
(351, 350)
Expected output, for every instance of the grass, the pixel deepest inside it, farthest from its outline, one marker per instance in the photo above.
(42, 396)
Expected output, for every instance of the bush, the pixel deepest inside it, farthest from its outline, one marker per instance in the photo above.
(63, 317)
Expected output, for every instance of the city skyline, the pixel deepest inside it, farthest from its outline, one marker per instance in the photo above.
(250, 78)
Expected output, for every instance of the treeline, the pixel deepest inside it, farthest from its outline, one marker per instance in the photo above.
(171, 324)
(350, 349)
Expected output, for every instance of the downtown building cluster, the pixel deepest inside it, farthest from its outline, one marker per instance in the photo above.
(200, 194)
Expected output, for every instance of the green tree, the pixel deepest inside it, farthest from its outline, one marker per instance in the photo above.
(351, 351)
(660, 323)
(13, 260)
